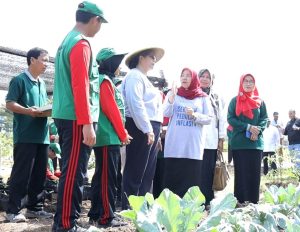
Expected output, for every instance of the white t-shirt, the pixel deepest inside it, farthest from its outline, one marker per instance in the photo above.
(271, 139)
(184, 137)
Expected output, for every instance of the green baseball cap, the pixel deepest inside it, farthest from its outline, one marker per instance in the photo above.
(106, 53)
(56, 148)
(92, 8)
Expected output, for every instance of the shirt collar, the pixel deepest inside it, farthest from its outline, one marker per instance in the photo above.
(31, 77)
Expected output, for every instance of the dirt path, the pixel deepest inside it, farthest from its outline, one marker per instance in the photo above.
(45, 225)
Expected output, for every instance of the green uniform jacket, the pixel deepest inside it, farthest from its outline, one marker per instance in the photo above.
(106, 134)
(63, 100)
(240, 123)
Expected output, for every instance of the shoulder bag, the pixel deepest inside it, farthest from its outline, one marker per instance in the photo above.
(221, 176)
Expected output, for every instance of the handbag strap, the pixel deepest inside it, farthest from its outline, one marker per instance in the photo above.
(220, 156)
(221, 159)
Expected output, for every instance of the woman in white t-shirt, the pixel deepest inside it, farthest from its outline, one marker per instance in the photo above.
(188, 112)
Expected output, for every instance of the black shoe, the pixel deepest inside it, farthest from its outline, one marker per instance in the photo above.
(112, 223)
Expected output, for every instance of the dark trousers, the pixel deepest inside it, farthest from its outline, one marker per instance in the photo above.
(229, 154)
(104, 184)
(119, 182)
(247, 167)
(27, 177)
(180, 174)
(159, 171)
(207, 174)
(266, 155)
(74, 159)
(158, 186)
(140, 162)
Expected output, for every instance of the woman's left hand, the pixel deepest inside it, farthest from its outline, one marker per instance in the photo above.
(189, 111)
(254, 137)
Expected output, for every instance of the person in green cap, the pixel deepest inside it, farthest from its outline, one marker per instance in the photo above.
(72, 114)
(26, 92)
(111, 133)
(52, 173)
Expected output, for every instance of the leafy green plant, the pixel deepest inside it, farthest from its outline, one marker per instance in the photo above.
(6, 143)
(285, 173)
(168, 212)
(279, 211)
(279, 195)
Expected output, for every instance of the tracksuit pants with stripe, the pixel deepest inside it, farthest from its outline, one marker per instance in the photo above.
(104, 184)
(75, 155)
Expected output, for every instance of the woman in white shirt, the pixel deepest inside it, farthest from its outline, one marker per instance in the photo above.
(215, 134)
(188, 112)
(143, 110)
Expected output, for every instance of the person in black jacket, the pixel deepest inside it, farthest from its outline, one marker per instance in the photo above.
(292, 130)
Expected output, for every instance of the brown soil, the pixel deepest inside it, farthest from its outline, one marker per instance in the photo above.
(45, 225)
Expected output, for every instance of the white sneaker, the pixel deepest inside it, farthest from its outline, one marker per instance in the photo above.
(15, 217)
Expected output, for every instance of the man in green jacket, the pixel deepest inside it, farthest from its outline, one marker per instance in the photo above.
(72, 114)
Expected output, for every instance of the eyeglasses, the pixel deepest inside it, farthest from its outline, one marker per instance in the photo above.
(250, 82)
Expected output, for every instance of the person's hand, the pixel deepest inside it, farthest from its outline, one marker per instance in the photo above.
(33, 112)
(159, 145)
(189, 111)
(173, 92)
(255, 130)
(254, 137)
(89, 136)
(150, 138)
(127, 140)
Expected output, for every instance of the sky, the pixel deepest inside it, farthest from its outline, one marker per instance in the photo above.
(229, 38)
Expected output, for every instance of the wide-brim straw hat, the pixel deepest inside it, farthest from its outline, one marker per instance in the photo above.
(158, 53)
